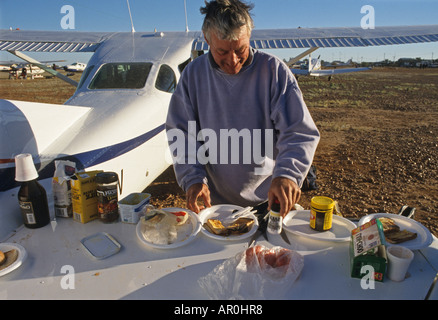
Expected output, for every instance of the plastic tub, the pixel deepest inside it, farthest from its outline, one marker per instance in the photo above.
(131, 206)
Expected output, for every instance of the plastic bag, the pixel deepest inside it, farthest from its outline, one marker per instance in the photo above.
(256, 273)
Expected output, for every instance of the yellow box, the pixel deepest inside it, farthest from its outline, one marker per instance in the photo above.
(84, 196)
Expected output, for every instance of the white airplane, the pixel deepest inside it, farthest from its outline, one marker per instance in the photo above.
(76, 67)
(15, 68)
(314, 68)
(115, 121)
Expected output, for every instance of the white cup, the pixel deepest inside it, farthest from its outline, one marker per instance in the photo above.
(399, 260)
(25, 168)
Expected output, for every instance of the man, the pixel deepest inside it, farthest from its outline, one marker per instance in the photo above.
(235, 89)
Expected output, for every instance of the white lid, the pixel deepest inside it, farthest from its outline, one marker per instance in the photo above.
(25, 168)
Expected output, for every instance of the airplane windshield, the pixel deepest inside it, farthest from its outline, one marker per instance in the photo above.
(121, 76)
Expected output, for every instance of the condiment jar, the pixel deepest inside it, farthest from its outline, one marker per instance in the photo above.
(106, 187)
(321, 213)
(275, 223)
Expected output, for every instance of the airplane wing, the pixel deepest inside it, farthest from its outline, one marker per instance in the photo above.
(51, 41)
(336, 37)
(74, 41)
(301, 72)
(329, 72)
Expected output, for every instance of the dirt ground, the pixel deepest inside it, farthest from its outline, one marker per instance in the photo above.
(378, 149)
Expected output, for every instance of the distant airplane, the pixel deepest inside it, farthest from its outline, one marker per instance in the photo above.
(115, 121)
(76, 67)
(16, 67)
(313, 68)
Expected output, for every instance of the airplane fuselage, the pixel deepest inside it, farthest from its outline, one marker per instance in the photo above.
(117, 118)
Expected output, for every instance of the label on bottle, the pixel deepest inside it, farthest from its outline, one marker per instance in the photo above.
(27, 211)
(275, 222)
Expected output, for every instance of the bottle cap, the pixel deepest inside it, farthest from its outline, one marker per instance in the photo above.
(25, 168)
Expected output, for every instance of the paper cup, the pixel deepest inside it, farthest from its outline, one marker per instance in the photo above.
(25, 168)
(399, 260)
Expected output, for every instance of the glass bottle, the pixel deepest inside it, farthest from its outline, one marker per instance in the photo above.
(32, 198)
(275, 223)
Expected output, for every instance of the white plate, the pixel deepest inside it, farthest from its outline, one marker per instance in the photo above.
(220, 212)
(22, 254)
(424, 237)
(298, 222)
(185, 234)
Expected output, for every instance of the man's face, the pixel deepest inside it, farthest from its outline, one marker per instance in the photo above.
(230, 56)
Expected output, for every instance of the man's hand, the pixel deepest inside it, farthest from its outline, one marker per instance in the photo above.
(286, 191)
(192, 195)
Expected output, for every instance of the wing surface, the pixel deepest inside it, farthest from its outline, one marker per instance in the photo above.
(329, 72)
(73, 41)
(52, 41)
(336, 37)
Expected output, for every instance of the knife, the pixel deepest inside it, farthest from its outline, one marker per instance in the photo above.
(263, 225)
(284, 236)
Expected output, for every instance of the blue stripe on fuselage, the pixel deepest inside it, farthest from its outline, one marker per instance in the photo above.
(83, 160)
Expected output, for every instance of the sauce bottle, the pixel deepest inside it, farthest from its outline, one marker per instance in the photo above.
(32, 196)
(275, 223)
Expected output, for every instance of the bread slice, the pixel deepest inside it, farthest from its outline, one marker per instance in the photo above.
(11, 257)
(2, 258)
(400, 236)
(216, 227)
(389, 225)
(240, 226)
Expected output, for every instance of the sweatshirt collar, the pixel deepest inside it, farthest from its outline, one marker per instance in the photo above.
(248, 62)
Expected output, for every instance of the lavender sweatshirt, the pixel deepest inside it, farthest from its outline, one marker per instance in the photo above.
(236, 133)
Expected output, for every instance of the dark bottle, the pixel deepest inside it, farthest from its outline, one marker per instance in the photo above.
(32, 199)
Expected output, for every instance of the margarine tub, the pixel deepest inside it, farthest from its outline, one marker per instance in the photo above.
(131, 206)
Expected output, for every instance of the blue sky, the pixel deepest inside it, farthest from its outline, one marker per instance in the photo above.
(168, 15)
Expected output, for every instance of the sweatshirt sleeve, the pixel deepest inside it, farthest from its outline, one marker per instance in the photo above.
(182, 133)
(297, 134)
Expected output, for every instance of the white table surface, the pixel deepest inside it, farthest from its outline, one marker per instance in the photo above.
(141, 272)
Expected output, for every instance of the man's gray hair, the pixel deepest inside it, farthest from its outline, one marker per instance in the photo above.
(226, 18)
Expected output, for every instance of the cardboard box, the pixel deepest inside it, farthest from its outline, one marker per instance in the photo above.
(84, 196)
(368, 247)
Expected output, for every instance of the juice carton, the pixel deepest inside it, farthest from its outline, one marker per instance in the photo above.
(368, 247)
(84, 196)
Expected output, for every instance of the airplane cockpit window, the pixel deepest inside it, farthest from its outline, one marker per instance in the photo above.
(121, 76)
(166, 79)
(85, 76)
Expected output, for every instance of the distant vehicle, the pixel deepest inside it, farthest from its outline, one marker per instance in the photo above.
(76, 67)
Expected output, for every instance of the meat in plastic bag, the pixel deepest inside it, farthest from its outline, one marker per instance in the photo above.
(256, 273)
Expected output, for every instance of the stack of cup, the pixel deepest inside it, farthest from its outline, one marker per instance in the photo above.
(24, 168)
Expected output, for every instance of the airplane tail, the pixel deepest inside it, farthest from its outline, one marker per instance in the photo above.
(30, 132)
